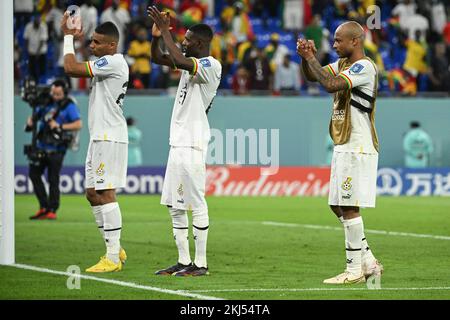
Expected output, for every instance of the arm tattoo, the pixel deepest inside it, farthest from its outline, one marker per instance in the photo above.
(330, 83)
(306, 71)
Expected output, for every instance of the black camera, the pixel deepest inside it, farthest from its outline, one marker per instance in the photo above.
(35, 95)
(33, 154)
(56, 136)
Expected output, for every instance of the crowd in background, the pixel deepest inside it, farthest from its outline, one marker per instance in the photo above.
(255, 40)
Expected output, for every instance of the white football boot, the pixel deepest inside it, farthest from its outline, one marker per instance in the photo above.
(346, 278)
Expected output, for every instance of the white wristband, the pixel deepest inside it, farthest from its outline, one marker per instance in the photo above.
(68, 45)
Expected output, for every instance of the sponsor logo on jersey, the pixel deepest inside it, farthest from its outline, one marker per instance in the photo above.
(205, 62)
(101, 62)
(100, 181)
(356, 68)
(101, 169)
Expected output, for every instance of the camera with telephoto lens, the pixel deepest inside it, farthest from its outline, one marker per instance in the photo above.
(37, 96)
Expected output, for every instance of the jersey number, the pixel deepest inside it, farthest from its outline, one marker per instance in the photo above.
(120, 98)
(183, 94)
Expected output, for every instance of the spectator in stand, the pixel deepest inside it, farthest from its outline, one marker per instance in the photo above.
(315, 31)
(223, 48)
(439, 71)
(140, 51)
(415, 55)
(265, 9)
(53, 20)
(241, 84)
(134, 144)
(36, 36)
(414, 23)
(121, 18)
(23, 10)
(192, 12)
(287, 77)
(344, 9)
(418, 147)
(210, 7)
(55, 35)
(164, 3)
(260, 72)
(438, 16)
(89, 16)
(296, 14)
(141, 19)
(275, 51)
(403, 11)
(446, 33)
(321, 38)
(238, 21)
(245, 49)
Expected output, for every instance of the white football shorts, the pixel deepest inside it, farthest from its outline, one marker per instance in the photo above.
(185, 179)
(106, 165)
(353, 180)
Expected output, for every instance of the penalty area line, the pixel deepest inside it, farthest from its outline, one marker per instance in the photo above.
(115, 282)
(383, 232)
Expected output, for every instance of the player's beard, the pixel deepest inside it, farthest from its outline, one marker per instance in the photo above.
(187, 53)
(343, 54)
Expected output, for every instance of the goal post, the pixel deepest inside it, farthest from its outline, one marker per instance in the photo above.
(7, 254)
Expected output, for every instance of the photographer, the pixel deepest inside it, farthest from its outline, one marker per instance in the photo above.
(53, 123)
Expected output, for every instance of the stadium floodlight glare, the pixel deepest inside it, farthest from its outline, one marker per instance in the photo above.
(6, 134)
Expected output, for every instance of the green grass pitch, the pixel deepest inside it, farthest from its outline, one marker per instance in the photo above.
(248, 258)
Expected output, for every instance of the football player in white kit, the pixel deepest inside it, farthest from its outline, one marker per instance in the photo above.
(353, 79)
(106, 161)
(185, 179)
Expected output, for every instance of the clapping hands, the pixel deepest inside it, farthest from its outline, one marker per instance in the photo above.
(71, 25)
(306, 48)
(161, 20)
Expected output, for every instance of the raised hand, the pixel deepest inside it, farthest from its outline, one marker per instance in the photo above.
(161, 20)
(71, 25)
(155, 31)
(313, 46)
(305, 48)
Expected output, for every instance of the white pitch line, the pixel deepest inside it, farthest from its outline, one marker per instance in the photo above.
(316, 289)
(387, 233)
(116, 282)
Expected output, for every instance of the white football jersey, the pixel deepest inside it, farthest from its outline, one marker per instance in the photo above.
(108, 89)
(362, 75)
(189, 126)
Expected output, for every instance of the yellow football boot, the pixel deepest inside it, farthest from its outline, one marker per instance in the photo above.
(105, 265)
(122, 255)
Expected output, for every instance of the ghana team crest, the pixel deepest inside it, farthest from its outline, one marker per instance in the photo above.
(180, 190)
(101, 169)
(347, 184)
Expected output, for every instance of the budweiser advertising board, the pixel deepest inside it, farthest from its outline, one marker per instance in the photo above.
(256, 181)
